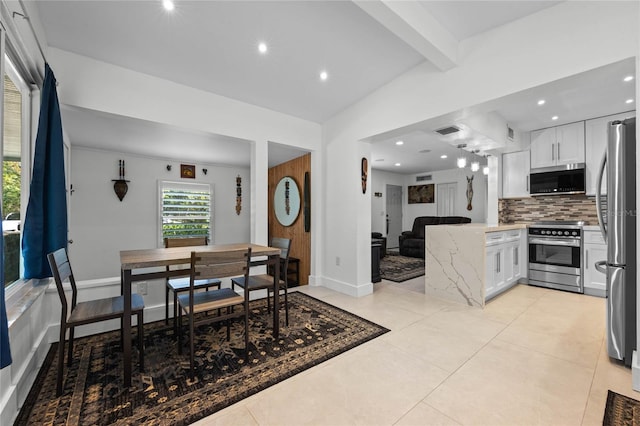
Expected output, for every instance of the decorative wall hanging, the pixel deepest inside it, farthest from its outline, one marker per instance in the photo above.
(307, 202)
(286, 201)
(120, 185)
(168, 167)
(238, 194)
(364, 172)
(469, 192)
(187, 171)
(205, 171)
(422, 194)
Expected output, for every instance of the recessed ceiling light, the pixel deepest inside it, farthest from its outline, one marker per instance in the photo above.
(628, 78)
(541, 102)
(554, 118)
(397, 164)
(400, 143)
(168, 5)
(324, 76)
(628, 101)
(443, 156)
(262, 47)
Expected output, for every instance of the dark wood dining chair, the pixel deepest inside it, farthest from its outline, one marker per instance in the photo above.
(265, 281)
(181, 284)
(207, 265)
(92, 311)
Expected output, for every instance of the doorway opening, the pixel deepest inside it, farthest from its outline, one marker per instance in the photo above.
(446, 198)
(394, 215)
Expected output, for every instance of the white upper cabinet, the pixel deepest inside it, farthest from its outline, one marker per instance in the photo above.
(515, 174)
(596, 142)
(556, 146)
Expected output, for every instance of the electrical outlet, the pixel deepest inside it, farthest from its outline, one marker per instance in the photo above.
(142, 287)
(337, 260)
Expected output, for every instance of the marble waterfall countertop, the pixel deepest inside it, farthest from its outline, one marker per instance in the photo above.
(455, 261)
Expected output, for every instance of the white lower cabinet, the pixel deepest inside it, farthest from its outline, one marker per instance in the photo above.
(503, 261)
(494, 272)
(594, 250)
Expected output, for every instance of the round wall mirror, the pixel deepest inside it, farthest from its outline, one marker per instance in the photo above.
(286, 201)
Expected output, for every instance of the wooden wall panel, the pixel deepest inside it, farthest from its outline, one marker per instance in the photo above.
(300, 240)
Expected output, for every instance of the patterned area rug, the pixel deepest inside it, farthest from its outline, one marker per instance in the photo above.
(93, 391)
(621, 410)
(394, 267)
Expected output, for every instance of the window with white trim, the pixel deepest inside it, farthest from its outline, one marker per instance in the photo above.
(186, 210)
(16, 113)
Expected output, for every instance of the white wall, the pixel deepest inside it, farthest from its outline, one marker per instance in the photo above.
(459, 176)
(577, 37)
(101, 225)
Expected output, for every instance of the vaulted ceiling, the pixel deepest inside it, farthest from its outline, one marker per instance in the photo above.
(214, 46)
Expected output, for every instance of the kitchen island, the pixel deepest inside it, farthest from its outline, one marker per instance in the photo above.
(473, 262)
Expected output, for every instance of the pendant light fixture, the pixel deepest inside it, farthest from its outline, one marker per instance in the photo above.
(462, 160)
(485, 169)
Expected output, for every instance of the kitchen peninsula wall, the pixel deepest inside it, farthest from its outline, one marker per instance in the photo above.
(553, 207)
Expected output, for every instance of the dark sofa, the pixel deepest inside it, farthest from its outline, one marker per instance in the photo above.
(412, 242)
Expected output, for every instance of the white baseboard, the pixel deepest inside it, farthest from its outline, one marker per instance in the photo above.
(16, 393)
(348, 288)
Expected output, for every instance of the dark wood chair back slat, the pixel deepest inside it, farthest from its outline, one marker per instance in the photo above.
(186, 242)
(205, 265)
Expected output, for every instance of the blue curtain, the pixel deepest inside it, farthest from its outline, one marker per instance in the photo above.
(45, 224)
(5, 351)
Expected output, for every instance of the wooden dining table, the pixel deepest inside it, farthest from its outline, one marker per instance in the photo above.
(134, 266)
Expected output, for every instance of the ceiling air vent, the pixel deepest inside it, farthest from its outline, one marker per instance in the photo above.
(448, 130)
(423, 178)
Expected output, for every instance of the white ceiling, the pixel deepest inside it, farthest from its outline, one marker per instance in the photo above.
(212, 46)
(100, 130)
(591, 94)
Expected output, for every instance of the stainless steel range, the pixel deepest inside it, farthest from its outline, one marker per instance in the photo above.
(555, 255)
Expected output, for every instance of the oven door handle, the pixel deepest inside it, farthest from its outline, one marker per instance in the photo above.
(552, 242)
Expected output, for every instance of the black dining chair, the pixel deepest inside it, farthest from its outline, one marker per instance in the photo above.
(92, 311)
(265, 281)
(181, 284)
(207, 265)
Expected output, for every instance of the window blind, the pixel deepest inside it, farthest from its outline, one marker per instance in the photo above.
(186, 210)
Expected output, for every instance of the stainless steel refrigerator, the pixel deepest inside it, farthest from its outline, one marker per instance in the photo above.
(617, 217)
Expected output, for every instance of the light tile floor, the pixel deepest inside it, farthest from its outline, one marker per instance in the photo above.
(532, 357)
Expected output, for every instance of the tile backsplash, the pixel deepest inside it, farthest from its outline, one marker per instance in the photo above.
(552, 207)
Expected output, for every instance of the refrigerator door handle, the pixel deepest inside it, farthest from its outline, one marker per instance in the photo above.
(599, 266)
(603, 229)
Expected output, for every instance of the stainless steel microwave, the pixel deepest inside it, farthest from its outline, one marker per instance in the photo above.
(565, 179)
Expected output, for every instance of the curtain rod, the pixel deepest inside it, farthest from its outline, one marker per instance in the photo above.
(33, 31)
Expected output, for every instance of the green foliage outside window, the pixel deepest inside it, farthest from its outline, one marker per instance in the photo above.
(11, 171)
(185, 213)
